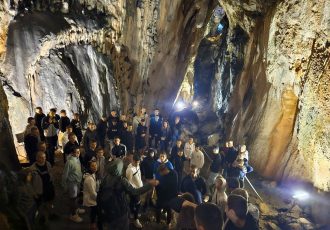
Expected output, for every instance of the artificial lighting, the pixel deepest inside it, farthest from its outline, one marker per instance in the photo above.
(180, 105)
(300, 195)
(195, 104)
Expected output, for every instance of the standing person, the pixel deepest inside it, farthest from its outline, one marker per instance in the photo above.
(100, 161)
(101, 130)
(76, 126)
(155, 128)
(42, 182)
(178, 159)
(31, 142)
(31, 123)
(165, 136)
(70, 146)
(140, 139)
(112, 196)
(118, 150)
(63, 123)
(197, 157)
(90, 190)
(26, 196)
(161, 160)
(38, 116)
(238, 216)
(113, 131)
(133, 175)
(189, 148)
(195, 185)
(122, 120)
(141, 115)
(50, 126)
(71, 180)
(219, 196)
(216, 166)
(127, 137)
(90, 134)
(166, 191)
(176, 129)
(90, 153)
(175, 149)
(65, 139)
(113, 116)
(147, 172)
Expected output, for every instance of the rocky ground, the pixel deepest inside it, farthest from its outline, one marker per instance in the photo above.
(277, 211)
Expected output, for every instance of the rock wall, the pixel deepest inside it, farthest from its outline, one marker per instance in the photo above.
(271, 86)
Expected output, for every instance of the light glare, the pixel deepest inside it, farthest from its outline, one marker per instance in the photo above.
(180, 105)
(300, 195)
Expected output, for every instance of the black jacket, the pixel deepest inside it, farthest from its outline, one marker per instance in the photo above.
(113, 130)
(195, 187)
(31, 147)
(147, 167)
(127, 138)
(63, 123)
(101, 129)
(119, 150)
(38, 118)
(178, 162)
(168, 188)
(155, 126)
(76, 128)
(216, 163)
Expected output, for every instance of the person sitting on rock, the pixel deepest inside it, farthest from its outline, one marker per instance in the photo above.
(252, 209)
(238, 216)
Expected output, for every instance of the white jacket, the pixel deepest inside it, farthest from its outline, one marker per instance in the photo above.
(90, 190)
(197, 159)
(133, 175)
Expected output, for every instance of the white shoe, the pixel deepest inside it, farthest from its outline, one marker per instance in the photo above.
(80, 211)
(137, 223)
(76, 218)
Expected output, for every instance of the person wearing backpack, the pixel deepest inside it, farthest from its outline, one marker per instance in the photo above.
(111, 199)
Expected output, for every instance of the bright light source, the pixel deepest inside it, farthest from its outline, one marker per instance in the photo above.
(300, 195)
(195, 104)
(180, 105)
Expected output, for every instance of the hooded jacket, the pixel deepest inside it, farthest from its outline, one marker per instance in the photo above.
(90, 190)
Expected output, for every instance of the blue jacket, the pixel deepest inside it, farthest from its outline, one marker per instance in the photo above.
(157, 164)
(155, 126)
(196, 187)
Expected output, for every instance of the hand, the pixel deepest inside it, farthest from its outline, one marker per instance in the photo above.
(153, 182)
(206, 198)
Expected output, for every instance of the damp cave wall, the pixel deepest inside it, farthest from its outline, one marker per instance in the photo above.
(270, 86)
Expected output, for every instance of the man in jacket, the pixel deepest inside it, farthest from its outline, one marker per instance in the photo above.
(63, 123)
(38, 116)
(118, 150)
(31, 144)
(133, 175)
(50, 126)
(71, 179)
(195, 185)
(115, 209)
(101, 130)
(155, 128)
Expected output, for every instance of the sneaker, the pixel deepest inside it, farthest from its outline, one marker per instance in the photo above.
(137, 223)
(80, 211)
(76, 218)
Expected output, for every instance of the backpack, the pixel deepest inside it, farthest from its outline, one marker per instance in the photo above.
(111, 201)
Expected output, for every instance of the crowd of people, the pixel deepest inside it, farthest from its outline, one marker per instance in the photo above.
(127, 165)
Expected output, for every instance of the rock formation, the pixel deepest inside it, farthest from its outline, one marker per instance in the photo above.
(260, 69)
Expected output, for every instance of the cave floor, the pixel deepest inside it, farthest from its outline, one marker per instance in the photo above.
(275, 211)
